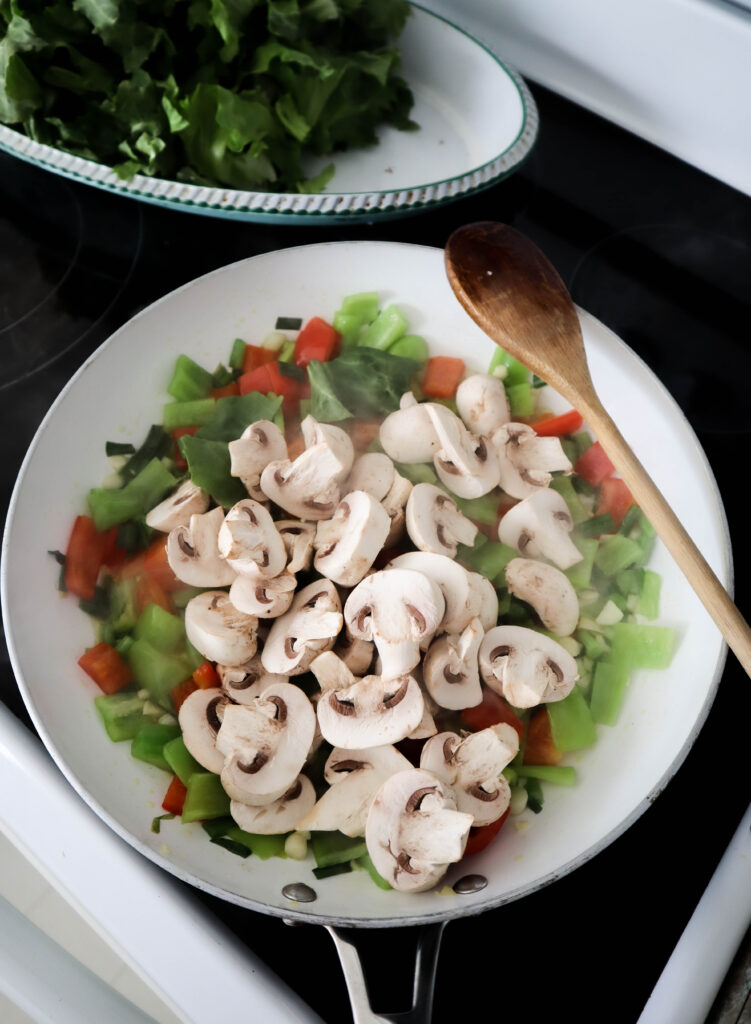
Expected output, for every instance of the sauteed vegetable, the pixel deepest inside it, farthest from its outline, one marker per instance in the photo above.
(360, 599)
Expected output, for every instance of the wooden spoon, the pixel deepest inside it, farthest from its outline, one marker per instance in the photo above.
(512, 292)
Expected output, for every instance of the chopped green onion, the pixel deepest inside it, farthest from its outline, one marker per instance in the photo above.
(520, 399)
(608, 691)
(237, 354)
(288, 323)
(565, 487)
(232, 846)
(148, 743)
(118, 448)
(336, 848)
(332, 869)
(648, 603)
(535, 796)
(157, 822)
(516, 373)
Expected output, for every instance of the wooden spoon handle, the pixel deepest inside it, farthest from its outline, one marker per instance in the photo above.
(690, 560)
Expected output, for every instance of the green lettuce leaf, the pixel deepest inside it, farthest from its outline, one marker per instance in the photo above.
(360, 382)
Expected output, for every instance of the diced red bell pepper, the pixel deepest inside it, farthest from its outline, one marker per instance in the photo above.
(317, 340)
(174, 798)
(206, 676)
(481, 836)
(84, 556)
(255, 356)
(268, 379)
(491, 711)
(177, 455)
(615, 498)
(442, 376)
(539, 747)
(156, 565)
(558, 426)
(182, 691)
(594, 466)
(150, 591)
(228, 391)
(105, 666)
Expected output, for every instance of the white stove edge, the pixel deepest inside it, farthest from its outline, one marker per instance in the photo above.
(675, 72)
(145, 917)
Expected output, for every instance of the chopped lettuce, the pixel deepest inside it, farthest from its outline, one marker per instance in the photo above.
(359, 382)
(223, 92)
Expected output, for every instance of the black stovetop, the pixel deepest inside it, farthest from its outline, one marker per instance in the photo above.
(658, 251)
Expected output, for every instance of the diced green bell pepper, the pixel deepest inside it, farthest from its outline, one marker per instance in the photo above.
(180, 760)
(571, 724)
(516, 373)
(189, 380)
(156, 672)
(161, 629)
(388, 327)
(205, 798)
(112, 507)
(121, 714)
(148, 743)
(615, 553)
(560, 774)
(336, 848)
(188, 414)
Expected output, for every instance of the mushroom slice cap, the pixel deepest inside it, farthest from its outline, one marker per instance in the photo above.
(218, 630)
(331, 672)
(336, 440)
(242, 683)
(485, 599)
(258, 445)
(472, 767)
(309, 627)
(200, 718)
(525, 460)
(482, 404)
(356, 653)
(465, 464)
(453, 580)
(408, 435)
(298, 540)
(249, 541)
(354, 777)
(279, 816)
(374, 473)
(265, 743)
(177, 508)
(539, 527)
(450, 668)
(526, 667)
(434, 523)
(548, 590)
(265, 598)
(193, 554)
(371, 712)
(349, 542)
(413, 830)
(396, 609)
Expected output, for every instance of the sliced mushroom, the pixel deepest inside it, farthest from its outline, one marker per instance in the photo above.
(349, 542)
(472, 767)
(354, 777)
(460, 596)
(467, 465)
(435, 524)
(396, 609)
(298, 541)
(482, 403)
(200, 717)
(177, 508)
(338, 442)
(357, 654)
(371, 712)
(309, 486)
(249, 541)
(548, 590)
(258, 445)
(281, 815)
(267, 599)
(526, 667)
(539, 527)
(527, 461)
(331, 672)
(485, 600)
(408, 435)
(193, 554)
(242, 683)
(218, 630)
(265, 743)
(450, 668)
(309, 627)
(375, 473)
(414, 832)
(426, 727)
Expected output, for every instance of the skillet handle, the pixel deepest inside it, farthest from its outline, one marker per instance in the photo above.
(426, 962)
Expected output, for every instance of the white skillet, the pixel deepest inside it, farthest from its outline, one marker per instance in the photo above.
(119, 392)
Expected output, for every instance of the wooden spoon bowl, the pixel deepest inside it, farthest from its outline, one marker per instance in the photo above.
(511, 291)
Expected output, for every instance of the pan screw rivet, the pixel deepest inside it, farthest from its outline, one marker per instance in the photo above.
(470, 883)
(299, 892)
